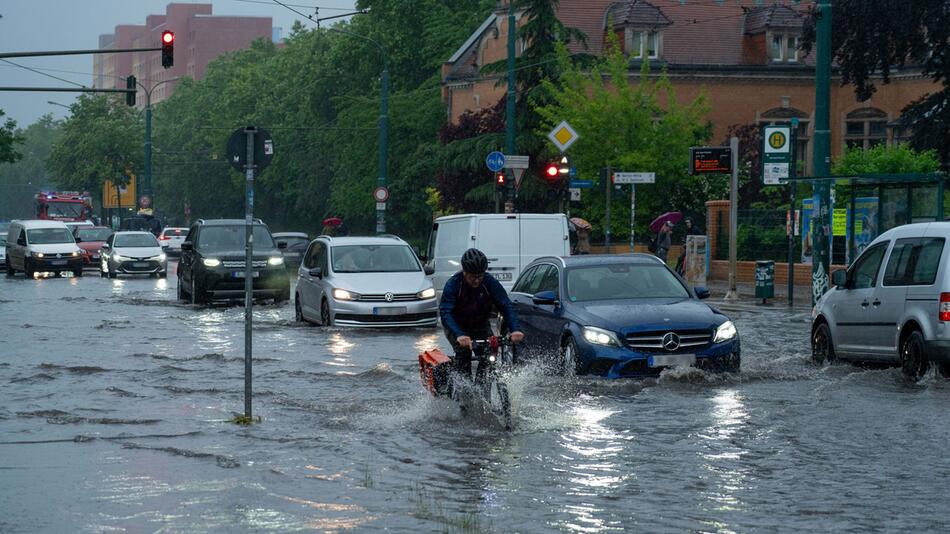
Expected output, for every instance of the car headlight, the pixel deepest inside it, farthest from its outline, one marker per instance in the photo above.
(342, 294)
(160, 257)
(74, 254)
(426, 293)
(37, 254)
(599, 336)
(275, 261)
(211, 262)
(725, 332)
(117, 257)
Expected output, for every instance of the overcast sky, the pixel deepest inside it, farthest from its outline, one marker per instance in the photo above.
(41, 25)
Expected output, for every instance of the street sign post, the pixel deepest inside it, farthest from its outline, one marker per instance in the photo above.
(517, 164)
(581, 184)
(563, 136)
(495, 161)
(633, 178)
(776, 154)
(263, 149)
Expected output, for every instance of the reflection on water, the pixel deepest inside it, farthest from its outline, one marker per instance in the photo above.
(725, 471)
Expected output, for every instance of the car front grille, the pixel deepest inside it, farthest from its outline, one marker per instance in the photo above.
(652, 342)
(381, 297)
(239, 264)
(404, 318)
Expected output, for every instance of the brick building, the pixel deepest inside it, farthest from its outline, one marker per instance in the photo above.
(742, 53)
(199, 38)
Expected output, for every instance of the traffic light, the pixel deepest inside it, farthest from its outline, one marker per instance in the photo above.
(500, 181)
(168, 49)
(130, 96)
(557, 173)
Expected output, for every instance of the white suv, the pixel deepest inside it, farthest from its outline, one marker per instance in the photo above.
(364, 281)
(892, 304)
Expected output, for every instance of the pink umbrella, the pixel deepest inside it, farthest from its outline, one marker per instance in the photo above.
(332, 221)
(670, 216)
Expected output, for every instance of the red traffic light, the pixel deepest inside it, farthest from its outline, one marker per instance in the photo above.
(551, 171)
(500, 178)
(168, 49)
(168, 37)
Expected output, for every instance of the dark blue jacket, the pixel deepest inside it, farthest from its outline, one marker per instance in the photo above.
(451, 304)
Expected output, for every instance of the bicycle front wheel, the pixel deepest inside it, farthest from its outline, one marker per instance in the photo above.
(500, 402)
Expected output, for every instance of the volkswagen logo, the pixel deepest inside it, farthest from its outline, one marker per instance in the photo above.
(671, 341)
(389, 298)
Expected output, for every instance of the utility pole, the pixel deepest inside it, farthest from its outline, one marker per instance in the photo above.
(821, 211)
(510, 104)
(733, 293)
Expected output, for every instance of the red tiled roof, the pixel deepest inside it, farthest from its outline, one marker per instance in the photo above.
(703, 32)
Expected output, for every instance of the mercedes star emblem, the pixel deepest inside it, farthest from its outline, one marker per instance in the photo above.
(671, 341)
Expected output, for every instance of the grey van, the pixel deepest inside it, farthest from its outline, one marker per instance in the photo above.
(892, 304)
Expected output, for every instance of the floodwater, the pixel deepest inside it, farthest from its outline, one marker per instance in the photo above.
(115, 403)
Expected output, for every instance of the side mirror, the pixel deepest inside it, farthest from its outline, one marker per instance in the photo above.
(106, 245)
(281, 245)
(701, 293)
(544, 297)
(78, 239)
(840, 278)
(428, 270)
(188, 245)
(316, 271)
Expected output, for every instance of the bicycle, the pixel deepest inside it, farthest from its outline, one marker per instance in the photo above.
(494, 357)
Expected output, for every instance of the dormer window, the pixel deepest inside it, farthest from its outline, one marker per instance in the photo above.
(784, 48)
(639, 25)
(639, 44)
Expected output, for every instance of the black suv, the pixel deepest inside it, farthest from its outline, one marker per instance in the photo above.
(212, 263)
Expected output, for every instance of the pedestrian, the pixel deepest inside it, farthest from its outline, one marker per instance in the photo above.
(664, 241)
(583, 240)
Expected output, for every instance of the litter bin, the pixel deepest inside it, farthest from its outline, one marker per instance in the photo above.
(764, 279)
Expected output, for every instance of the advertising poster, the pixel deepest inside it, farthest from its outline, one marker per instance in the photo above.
(807, 208)
(865, 223)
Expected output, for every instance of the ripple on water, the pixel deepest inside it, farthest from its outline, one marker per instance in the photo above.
(75, 369)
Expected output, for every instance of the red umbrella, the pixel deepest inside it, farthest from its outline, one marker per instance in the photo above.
(670, 216)
(332, 221)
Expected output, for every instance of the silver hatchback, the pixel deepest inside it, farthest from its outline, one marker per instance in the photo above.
(892, 304)
(364, 281)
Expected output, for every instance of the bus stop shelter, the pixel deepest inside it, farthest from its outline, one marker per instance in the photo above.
(875, 203)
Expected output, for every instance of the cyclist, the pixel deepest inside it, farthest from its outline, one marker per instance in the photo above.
(468, 300)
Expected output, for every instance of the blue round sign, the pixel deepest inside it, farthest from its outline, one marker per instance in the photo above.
(495, 161)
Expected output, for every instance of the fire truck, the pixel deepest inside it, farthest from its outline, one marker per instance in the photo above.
(67, 206)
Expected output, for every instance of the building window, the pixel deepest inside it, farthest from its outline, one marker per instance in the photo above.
(784, 48)
(642, 43)
(865, 128)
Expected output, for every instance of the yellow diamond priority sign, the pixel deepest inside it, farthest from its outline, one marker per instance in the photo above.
(563, 136)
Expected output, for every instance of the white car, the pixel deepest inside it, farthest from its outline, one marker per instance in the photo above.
(171, 239)
(892, 304)
(42, 246)
(132, 253)
(364, 281)
(3, 249)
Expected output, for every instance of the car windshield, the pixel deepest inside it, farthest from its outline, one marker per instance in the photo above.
(3, 239)
(72, 210)
(617, 281)
(135, 240)
(93, 234)
(49, 236)
(295, 242)
(232, 238)
(175, 232)
(373, 259)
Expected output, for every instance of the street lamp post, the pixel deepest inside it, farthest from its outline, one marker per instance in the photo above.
(147, 182)
(383, 125)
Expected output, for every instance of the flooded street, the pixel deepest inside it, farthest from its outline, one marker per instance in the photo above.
(116, 401)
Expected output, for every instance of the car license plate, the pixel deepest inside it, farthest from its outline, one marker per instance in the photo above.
(389, 311)
(140, 264)
(58, 262)
(95, 256)
(240, 274)
(502, 277)
(671, 360)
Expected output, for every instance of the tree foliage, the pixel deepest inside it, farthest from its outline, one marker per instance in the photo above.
(871, 38)
(22, 179)
(8, 140)
(638, 126)
(885, 160)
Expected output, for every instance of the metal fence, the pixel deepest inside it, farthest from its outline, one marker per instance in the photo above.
(761, 235)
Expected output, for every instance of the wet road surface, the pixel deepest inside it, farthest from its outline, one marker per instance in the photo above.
(116, 401)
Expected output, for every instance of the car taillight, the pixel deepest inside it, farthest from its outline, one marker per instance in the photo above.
(163, 238)
(945, 306)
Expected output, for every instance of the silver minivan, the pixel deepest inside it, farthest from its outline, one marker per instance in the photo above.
(42, 246)
(892, 304)
(364, 281)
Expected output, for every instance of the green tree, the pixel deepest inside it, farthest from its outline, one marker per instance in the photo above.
(8, 140)
(639, 126)
(101, 140)
(21, 180)
(870, 38)
(885, 160)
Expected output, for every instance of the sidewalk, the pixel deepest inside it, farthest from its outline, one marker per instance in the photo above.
(718, 289)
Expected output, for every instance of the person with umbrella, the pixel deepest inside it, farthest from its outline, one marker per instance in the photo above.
(331, 226)
(663, 225)
(582, 228)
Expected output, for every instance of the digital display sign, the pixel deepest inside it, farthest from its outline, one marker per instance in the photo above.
(710, 159)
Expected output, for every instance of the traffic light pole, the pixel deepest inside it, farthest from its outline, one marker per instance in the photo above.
(147, 182)
(510, 104)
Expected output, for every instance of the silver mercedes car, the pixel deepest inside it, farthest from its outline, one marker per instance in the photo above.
(364, 281)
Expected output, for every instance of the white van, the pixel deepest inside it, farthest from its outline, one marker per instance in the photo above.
(510, 240)
(42, 246)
